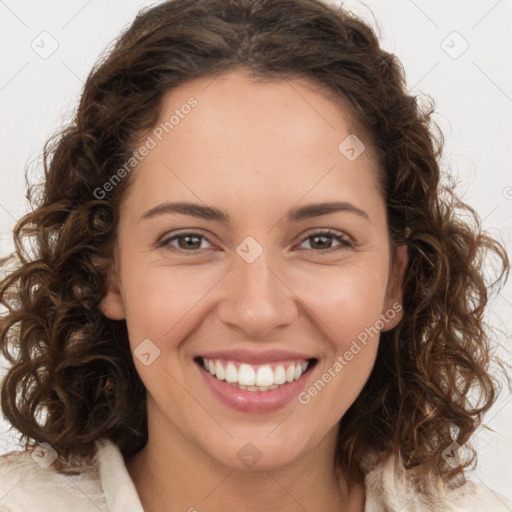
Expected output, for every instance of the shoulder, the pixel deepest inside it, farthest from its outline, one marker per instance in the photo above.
(28, 482)
(390, 487)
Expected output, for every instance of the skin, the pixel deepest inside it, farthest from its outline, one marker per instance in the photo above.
(254, 149)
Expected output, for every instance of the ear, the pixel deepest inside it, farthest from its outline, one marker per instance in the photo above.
(393, 310)
(111, 305)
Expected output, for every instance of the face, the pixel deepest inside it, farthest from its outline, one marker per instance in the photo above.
(248, 278)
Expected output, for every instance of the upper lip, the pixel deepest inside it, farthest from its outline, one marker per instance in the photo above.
(255, 357)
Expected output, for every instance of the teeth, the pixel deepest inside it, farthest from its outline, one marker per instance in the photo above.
(231, 373)
(246, 375)
(255, 378)
(265, 376)
(219, 371)
(280, 374)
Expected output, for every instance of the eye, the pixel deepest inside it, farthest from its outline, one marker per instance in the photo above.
(322, 241)
(189, 242)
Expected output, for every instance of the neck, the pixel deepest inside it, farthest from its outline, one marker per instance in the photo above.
(171, 469)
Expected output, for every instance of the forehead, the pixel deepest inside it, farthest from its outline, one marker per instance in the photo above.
(235, 99)
(260, 139)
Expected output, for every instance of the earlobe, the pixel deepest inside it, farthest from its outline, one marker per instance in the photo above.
(111, 305)
(402, 259)
(394, 299)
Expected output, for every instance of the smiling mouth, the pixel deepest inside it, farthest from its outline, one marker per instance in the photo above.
(249, 377)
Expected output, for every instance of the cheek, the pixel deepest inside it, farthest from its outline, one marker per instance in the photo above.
(347, 306)
(162, 302)
(346, 300)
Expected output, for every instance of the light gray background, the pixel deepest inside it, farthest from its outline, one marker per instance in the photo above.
(472, 88)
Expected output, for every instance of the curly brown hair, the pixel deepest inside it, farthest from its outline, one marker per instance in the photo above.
(72, 365)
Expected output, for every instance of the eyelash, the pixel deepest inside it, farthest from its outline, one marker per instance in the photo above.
(345, 243)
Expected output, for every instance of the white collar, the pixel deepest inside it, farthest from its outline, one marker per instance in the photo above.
(120, 492)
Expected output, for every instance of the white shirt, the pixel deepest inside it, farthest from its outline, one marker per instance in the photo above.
(27, 486)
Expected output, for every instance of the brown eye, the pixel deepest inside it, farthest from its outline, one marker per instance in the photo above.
(323, 240)
(188, 242)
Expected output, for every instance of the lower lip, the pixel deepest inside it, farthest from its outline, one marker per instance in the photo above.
(254, 401)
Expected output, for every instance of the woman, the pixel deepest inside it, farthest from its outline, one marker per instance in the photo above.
(248, 288)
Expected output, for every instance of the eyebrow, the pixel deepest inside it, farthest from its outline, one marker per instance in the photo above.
(215, 214)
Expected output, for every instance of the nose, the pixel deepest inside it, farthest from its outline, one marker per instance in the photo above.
(256, 299)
